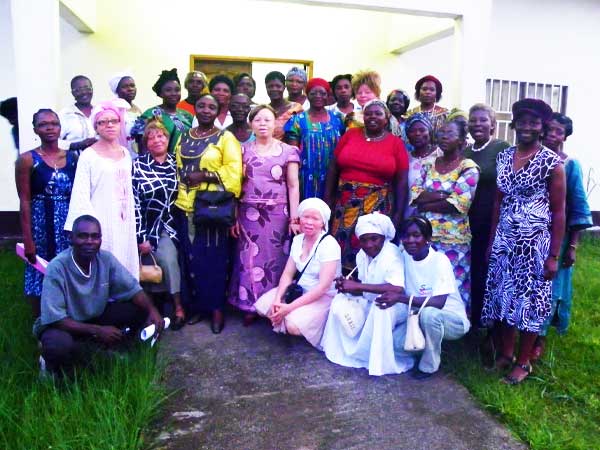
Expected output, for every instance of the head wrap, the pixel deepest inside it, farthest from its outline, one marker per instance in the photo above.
(314, 82)
(376, 223)
(319, 205)
(114, 81)
(538, 108)
(165, 76)
(377, 102)
(438, 84)
(119, 107)
(456, 113)
(298, 72)
(419, 117)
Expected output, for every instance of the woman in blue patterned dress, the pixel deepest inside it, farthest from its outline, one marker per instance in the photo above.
(578, 218)
(44, 178)
(316, 132)
(528, 226)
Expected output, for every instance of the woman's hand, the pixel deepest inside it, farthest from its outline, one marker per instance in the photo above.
(294, 228)
(569, 257)
(29, 248)
(279, 311)
(388, 299)
(145, 248)
(550, 267)
(234, 231)
(348, 286)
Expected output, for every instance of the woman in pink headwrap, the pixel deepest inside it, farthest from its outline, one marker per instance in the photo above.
(102, 186)
(316, 132)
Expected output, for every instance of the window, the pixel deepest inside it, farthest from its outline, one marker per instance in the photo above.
(501, 94)
(258, 67)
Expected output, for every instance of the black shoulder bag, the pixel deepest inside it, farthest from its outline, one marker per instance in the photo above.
(294, 290)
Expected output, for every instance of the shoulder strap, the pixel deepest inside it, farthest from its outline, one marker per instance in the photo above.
(423, 304)
(299, 274)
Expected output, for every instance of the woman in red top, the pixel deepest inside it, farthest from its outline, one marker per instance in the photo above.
(368, 172)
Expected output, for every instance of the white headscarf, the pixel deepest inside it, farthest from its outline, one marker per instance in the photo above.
(114, 81)
(319, 205)
(376, 223)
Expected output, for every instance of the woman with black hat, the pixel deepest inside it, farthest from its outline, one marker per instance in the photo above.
(528, 226)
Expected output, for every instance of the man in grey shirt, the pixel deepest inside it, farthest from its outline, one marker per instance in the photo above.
(75, 299)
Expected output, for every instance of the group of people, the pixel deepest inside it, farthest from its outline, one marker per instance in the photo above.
(365, 209)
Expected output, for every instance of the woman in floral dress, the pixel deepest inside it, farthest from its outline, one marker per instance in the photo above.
(270, 194)
(443, 194)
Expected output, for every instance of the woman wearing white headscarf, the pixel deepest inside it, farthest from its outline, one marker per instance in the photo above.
(318, 256)
(123, 86)
(358, 333)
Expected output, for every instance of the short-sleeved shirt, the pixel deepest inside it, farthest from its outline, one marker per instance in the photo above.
(434, 276)
(375, 162)
(386, 267)
(68, 293)
(328, 250)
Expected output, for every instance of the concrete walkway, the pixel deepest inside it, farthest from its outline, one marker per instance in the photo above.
(249, 388)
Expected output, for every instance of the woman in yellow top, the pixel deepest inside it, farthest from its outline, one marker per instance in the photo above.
(206, 157)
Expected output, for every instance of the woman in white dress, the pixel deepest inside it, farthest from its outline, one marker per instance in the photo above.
(102, 187)
(430, 280)
(380, 270)
(320, 255)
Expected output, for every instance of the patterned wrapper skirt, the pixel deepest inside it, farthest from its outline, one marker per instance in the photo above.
(356, 199)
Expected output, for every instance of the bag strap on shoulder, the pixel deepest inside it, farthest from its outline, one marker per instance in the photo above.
(299, 274)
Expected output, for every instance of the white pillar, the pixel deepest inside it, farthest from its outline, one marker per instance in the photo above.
(36, 41)
(471, 38)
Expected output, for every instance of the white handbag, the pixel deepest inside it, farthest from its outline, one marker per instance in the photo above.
(415, 340)
(352, 316)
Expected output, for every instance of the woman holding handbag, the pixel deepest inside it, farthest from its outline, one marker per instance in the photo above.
(209, 165)
(154, 183)
(358, 334)
(429, 279)
(300, 304)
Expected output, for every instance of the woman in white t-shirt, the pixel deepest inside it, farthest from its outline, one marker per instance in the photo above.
(364, 337)
(321, 255)
(427, 274)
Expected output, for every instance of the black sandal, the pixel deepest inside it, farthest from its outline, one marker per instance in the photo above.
(509, 379)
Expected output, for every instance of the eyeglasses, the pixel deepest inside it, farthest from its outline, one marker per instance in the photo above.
(105, 122)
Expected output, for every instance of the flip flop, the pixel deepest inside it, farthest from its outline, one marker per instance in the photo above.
(509, 379)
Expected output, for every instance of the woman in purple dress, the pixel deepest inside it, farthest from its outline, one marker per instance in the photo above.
(267, 213)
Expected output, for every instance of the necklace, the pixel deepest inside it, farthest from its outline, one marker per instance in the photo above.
(203, 134)
(53, 160)
(379, 137)
(446, 166)
(528, 155)
(482, 147)
(80, 269)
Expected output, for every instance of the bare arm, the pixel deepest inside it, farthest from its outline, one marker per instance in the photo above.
(23, 181)
(143, 301)
(331, 182)
(558, 192)
(400, 186)
(326, 276)
(286, 279)
(293, 188)
(348, 286)
(388, 299)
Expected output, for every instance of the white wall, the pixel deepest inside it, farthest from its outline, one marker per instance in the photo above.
(554, 41)
(8, 198)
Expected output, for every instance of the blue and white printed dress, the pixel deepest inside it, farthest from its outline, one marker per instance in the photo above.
(50, 196)
(516, 291)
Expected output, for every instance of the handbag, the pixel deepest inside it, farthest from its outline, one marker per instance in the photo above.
(150, 273)
(215, 208)
(294, 290)
(415, 339)
(352, 315)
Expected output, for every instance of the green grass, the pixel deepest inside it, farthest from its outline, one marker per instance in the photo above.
(107, 406)
(558, 407)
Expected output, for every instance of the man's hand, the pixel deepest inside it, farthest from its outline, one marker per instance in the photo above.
(108, 335)
(156, 319)
(145, 248)
(387, 299)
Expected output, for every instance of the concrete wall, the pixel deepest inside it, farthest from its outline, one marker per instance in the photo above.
(553, 41)
(8, 85)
